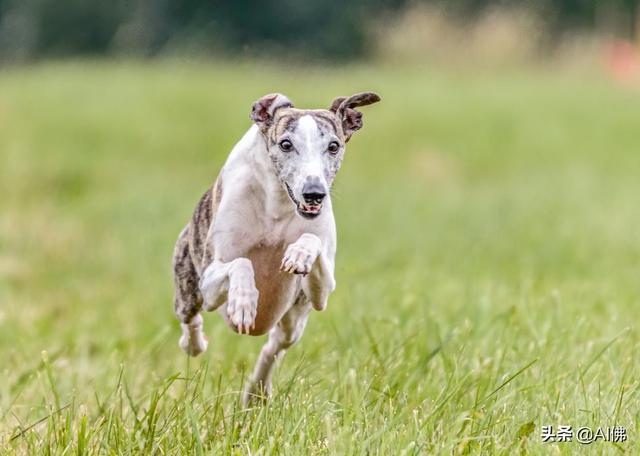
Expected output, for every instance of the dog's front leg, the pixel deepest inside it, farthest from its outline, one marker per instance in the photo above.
(234, 283)
(308, 256)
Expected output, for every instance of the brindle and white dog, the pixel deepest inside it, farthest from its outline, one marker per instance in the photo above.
(260, 247)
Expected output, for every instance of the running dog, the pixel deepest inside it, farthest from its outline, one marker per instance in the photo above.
(261, 244)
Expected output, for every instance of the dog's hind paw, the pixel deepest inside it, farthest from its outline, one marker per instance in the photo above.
(193, 346)
(255, 393)
(242, 307)
(193, 341)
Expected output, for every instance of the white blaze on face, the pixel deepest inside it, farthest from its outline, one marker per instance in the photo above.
(311, 148)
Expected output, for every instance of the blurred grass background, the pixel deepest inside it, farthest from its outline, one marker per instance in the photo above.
(489, 249)
(487, 221)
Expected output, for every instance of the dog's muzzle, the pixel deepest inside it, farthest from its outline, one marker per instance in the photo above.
(313, 194)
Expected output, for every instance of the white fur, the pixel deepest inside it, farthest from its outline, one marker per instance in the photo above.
(310, 163)
(193, 340)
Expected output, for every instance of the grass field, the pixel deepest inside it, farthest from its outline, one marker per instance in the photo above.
(488, 264)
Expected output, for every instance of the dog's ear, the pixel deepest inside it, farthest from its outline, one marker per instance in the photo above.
(264, 109)
(350, 118)
(336, 104)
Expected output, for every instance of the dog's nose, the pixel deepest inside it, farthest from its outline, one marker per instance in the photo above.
(313, 192)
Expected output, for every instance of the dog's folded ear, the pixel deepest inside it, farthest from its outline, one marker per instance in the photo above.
(350, 118)
(264, 109)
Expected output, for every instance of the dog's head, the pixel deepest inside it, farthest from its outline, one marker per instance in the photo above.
(307, 146)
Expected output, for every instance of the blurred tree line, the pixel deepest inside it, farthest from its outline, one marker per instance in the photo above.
(31, 29)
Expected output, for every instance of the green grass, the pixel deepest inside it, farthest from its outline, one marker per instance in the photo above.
(488, 264)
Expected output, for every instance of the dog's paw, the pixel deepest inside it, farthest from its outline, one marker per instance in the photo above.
(193, 341)
(255, 393)
(242, 306)
(300, 256)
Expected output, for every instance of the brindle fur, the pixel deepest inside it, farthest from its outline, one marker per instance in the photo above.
(193, 254)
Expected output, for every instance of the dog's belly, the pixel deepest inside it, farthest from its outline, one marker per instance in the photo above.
(277, 290)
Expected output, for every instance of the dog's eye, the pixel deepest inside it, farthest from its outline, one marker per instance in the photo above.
(334, 147)
(286, 145)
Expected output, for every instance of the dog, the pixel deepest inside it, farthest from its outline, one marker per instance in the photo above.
(261, 244)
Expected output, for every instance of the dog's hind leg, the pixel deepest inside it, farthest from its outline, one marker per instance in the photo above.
(286, 333)
(188, 300)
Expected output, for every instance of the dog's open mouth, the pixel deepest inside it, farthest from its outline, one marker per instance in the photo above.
(305, 210)
(309, 210)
